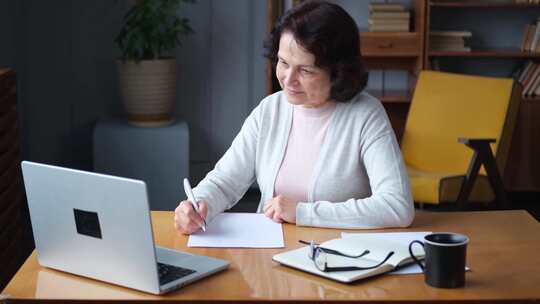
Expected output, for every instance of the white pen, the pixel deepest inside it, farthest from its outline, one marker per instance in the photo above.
(191, 198)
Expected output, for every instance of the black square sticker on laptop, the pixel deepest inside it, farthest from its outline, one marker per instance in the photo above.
(87, 223)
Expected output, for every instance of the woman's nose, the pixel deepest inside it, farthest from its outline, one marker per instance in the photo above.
(290, 77)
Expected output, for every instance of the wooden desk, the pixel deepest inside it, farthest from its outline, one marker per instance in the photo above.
(504, 256)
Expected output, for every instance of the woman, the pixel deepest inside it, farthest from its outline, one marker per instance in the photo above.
(322, 151)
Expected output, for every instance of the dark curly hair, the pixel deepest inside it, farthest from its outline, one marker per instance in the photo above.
(328, 32)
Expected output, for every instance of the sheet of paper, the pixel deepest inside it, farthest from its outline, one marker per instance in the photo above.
(404, 238)
(243, 230)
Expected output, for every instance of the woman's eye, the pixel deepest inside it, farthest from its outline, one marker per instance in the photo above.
(283, 62)
(308, 72)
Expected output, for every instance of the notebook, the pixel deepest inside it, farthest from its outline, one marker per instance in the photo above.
(378, 251)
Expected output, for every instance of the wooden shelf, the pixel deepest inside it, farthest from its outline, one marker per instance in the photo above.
(392, 96)
(480, 4)
(487, 53)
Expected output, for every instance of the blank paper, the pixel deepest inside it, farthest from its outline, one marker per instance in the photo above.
(243, 230)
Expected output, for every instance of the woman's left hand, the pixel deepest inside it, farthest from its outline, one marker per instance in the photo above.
(281, 209)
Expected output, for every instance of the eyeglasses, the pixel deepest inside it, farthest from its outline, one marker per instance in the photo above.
(318, 255)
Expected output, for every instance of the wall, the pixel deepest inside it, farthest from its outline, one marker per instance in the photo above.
(9, 10)
(64, 55)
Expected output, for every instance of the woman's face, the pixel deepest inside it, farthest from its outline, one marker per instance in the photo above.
(303, 82)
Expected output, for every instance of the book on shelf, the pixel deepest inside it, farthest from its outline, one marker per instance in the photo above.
(526, 78)
(363, 252)
(536, 92)
(537, 48)
(372, 21)
(446, 44)
(522, 72)
(386, 7)
(528, 74)
(449, 41)
(527, 37)
(533, 86)
(443, 46)
(535, 38)
(447, 38)
(518, 71)
(390, 15)
(389, 27)
(464, 34)
(530, 80)
(530, 41)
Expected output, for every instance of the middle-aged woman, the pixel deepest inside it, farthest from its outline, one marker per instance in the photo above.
(321, 150)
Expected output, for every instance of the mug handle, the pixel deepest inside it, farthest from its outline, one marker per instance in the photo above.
(412, 255)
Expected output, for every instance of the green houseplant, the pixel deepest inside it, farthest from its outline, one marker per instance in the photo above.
(146, 69)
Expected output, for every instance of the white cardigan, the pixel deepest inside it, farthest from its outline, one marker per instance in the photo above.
(359, 180)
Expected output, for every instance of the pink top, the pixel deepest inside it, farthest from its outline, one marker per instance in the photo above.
(306, 137)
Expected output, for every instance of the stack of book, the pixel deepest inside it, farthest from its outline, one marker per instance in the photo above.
(529, 77)
(385, 17)
(454, 41)
(531, 37)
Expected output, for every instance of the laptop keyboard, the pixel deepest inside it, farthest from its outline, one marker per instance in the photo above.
(169, 273)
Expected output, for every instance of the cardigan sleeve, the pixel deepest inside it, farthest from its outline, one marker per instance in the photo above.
(234, 173)
(390, 203)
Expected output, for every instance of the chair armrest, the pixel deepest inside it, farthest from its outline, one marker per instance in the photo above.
(476, 143)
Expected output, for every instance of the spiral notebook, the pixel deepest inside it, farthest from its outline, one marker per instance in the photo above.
(378, 251)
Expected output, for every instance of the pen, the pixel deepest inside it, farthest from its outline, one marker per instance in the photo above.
(191, 198)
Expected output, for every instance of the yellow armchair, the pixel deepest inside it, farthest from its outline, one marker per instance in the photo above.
(456, 124)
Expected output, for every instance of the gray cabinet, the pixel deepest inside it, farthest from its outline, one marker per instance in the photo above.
(158, 156)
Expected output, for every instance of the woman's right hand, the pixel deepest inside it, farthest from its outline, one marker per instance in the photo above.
(187, 220)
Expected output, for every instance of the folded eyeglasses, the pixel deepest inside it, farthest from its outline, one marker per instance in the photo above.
(318, 255)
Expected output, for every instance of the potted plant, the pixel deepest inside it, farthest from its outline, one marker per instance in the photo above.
(146, 70)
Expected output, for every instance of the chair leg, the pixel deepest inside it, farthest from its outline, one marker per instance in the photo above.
(494, 177)
(482, 155)
(468, 180)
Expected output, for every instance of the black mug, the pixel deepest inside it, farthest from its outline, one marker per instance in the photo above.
(445, 255)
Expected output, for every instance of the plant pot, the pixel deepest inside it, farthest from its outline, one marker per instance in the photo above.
(148, 90)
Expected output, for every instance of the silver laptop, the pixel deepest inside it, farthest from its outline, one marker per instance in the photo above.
(99, 226)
